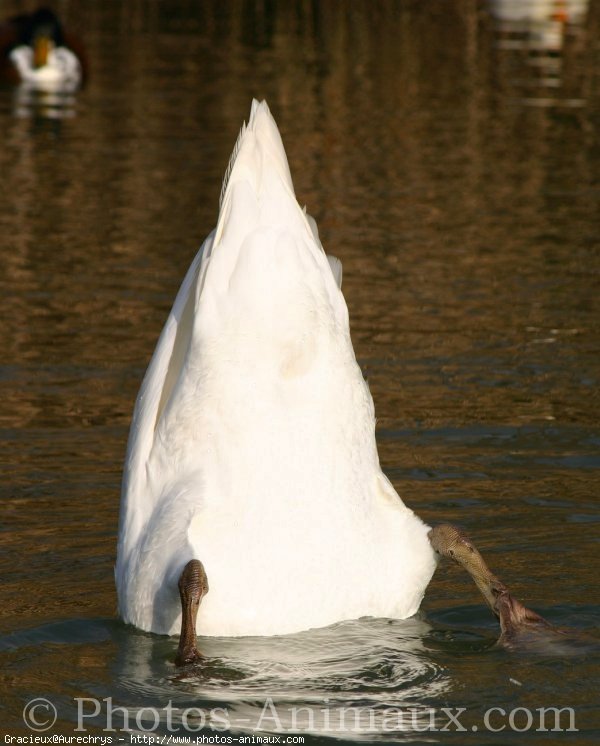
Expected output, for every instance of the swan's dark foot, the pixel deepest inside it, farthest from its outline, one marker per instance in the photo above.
(451, 542)
(516, 618)
(193, 586)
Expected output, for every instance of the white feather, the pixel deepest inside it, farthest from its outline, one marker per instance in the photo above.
(252, 446)
(62, 69)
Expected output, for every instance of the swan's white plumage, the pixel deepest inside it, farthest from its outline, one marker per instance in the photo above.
(252, 446)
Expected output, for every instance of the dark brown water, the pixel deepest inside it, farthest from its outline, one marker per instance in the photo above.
(451, 157)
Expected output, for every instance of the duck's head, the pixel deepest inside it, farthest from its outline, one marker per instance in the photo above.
(42, 32)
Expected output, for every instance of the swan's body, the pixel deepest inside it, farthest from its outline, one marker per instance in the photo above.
(252, 446)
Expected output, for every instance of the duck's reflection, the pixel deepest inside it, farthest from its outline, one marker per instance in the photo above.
(533, 35)
(32, 101)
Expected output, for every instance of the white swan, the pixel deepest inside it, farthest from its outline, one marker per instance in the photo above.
(252, 447)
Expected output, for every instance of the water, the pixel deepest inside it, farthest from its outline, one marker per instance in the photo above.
(450, 154)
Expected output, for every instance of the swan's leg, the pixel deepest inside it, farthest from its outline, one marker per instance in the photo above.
(193, 586)
(451, 542)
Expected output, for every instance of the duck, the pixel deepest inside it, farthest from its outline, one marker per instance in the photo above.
(252, 461)
(36, 50)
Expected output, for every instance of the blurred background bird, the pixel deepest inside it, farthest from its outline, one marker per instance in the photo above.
(35, 48)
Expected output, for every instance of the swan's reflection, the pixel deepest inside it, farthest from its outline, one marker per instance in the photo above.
(370, 679)
(356, 679)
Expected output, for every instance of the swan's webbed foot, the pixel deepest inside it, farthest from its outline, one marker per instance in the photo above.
(451, 542)
(193, 586)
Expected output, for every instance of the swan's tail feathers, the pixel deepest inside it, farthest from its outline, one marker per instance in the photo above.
(236, 148)
(267, 266)
(258, 166)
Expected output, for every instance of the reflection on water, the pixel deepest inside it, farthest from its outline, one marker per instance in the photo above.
(366, 680)
(372, 664)
(48, 103)
(296, 683)
(535, 36)
(467, 222)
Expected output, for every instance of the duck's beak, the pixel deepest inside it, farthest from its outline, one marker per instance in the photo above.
(41, 50)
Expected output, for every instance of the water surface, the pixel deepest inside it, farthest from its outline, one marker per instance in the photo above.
(450, 154)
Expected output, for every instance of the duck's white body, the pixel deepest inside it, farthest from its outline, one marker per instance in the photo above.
(62, 68)
(252, 446)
